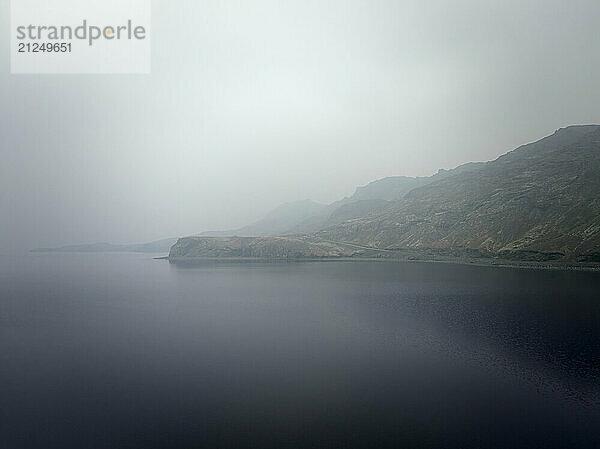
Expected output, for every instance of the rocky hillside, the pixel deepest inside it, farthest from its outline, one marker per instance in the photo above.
(307, 217)
(190, 248)
(540, 201)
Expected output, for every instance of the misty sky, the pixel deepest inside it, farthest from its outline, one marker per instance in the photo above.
(254, 103)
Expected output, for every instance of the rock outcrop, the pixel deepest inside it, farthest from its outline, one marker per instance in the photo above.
(189, 248)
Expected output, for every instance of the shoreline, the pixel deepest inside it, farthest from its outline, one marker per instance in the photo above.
(499, 263)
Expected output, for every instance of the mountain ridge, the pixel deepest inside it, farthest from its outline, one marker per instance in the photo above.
(307, 216)
(539, 202)
(519, 202)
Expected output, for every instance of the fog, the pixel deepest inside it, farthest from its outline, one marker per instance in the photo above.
(251, 104)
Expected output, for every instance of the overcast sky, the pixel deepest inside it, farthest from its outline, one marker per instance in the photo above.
(255, 103)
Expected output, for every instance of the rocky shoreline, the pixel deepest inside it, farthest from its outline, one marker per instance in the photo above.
(194, 250)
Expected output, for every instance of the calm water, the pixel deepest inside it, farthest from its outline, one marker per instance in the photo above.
(122, 351)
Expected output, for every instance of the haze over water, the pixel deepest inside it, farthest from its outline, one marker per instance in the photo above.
(119, 350)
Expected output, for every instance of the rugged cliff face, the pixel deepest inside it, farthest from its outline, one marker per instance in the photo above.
(540, 201)
(257, 247)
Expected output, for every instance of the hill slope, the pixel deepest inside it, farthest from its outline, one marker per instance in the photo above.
(279, 221)
(306, 217)
(540, 201)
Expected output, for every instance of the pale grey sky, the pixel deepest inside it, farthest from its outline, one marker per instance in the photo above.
(255, 103)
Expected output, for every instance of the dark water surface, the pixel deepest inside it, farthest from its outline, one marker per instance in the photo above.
(122, 351)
